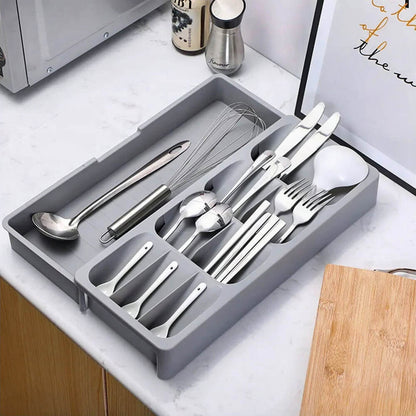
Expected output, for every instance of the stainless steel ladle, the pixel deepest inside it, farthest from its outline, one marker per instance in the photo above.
(60, 228)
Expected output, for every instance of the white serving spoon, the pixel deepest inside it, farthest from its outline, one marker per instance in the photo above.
(338, 166)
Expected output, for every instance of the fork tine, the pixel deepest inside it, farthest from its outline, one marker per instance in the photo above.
(294, 186)
(317, 200)
(307, 201)
(301, 192)
(324, 201)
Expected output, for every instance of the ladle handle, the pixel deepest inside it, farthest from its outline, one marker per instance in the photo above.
(137, 213)
(155, 164)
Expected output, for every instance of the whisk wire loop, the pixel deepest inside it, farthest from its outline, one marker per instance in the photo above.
(235, 126)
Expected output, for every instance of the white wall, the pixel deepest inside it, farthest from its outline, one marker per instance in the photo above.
(279, 30)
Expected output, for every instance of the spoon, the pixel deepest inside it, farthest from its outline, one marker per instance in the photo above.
(193, 206)
(59, 228)
(108, 287)
(162, 331)
(197, 204)
(338, 166)
(213, 220)
(133, 308)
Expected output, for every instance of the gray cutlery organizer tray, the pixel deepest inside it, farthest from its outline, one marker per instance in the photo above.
(78, 266)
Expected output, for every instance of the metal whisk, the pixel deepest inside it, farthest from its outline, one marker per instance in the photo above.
(235, 126)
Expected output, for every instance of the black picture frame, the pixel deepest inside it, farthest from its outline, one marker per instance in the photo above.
(301, 95)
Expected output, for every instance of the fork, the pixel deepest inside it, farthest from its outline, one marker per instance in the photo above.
(306, 209)
(288, 196)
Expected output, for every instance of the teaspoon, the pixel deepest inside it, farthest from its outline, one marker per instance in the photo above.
(162, 331)
(108, 287)
(133, 308)
(213, 220)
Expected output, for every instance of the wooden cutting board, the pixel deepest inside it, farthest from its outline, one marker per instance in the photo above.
(363, 356)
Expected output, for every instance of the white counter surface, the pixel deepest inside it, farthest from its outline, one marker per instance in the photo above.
(258, 367)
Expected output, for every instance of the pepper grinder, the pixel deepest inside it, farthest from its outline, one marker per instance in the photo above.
(225, 48)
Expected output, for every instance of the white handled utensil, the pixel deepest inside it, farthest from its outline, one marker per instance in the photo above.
(133, 308)
(162, 331)
(108, 287)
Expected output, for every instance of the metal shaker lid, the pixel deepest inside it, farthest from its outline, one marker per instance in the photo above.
(227, 14)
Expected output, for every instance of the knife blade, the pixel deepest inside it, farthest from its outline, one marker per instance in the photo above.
(302, 129)
(313, 143)
(306, 150)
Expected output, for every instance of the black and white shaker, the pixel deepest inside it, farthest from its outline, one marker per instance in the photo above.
(224, 52)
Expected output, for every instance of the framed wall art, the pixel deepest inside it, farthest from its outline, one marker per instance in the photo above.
(361, 61)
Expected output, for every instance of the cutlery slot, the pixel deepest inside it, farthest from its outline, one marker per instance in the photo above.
(139, 284)
(113, 263)
(165, 308)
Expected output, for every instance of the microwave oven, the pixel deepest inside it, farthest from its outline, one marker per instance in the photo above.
(37, 37)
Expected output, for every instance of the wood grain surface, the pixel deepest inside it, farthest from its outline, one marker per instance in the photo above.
(363, 355)
(121, 402)
(42, 372)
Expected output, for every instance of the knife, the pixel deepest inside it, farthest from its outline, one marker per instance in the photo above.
(313, 143)
(306, 150)
(303, 128)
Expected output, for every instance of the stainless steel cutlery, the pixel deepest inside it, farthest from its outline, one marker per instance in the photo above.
(262, 227)
(306, 209)
(215, 219)
(108, 287)
(289, 195)
(59, 228)
(162, 331)
(311, 145)
(239, 234)
(266, 233)
(133, 308)
(193, 206)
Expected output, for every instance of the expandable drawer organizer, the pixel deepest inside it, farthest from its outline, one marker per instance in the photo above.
(78, 266)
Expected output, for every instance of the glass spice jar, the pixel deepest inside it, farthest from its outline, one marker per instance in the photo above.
(190, 25)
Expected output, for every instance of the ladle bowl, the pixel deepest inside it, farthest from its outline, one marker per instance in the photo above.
(55, 226)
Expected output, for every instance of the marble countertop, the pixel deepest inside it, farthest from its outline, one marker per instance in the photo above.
(257, 367)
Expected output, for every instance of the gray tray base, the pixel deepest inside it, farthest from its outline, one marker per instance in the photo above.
(220, 306)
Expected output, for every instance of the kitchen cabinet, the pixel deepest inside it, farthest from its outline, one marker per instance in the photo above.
(42, 372)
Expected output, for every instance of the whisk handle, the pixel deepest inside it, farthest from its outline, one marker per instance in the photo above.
(136, 214)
